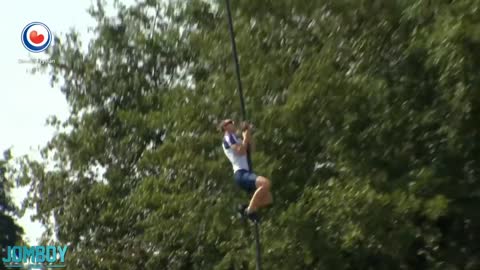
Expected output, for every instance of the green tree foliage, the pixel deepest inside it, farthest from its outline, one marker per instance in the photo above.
(10, 232)
(367, 116)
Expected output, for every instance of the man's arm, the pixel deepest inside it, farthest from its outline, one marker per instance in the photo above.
(240, 148)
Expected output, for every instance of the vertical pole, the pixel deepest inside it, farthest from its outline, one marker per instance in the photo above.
(244, 116)
(237, 72)
(257, 240)
(235, 60)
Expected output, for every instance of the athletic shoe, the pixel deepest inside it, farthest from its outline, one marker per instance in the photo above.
(253, 216)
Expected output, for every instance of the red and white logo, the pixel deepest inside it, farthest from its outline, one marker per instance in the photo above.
(36, 37)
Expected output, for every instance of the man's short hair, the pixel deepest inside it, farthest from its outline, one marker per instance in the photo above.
(223, 123)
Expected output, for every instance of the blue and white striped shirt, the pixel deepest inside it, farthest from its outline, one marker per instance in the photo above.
(239, 162)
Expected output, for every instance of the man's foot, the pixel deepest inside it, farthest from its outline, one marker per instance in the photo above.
(253, 216)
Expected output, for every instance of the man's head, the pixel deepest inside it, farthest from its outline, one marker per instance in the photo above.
(228, 125)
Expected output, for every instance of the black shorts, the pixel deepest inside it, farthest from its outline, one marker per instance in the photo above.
(246, 180)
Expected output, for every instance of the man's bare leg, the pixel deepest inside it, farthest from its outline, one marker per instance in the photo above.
(267, 200)
(262, 195)
(256, 200)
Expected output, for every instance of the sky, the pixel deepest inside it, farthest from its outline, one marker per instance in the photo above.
(26, 100)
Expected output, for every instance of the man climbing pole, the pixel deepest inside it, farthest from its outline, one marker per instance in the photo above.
(245, 178)
(239, 155)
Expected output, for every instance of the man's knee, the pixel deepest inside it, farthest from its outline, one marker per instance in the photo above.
(263, 182)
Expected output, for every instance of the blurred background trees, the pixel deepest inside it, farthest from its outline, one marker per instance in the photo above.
(10, 232)
(367, 119)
